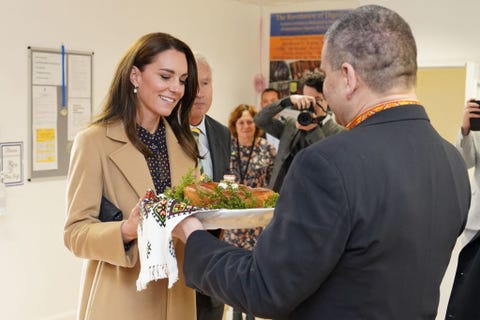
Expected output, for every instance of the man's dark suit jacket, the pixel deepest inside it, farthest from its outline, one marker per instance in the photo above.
(465, 296)
(219, 143)
(363, 229)
(218, 136)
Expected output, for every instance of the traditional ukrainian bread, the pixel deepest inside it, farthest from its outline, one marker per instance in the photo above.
(211, 194)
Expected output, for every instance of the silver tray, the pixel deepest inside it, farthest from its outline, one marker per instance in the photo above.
(235, 218)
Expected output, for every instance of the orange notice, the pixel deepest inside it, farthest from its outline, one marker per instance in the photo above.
(308, 47)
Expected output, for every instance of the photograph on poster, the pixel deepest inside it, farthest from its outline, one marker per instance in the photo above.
(11, 163)
(296, 41)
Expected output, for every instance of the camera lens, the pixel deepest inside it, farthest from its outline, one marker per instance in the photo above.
(305, 118)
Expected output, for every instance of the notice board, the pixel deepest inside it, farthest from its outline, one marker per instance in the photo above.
(60, 96)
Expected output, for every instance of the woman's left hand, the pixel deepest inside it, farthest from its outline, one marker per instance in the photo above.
(130, 226)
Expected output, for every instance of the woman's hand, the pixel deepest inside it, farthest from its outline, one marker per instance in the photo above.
(129, 226)
(471, 110)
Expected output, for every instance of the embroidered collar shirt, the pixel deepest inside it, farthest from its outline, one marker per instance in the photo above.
(378, 108)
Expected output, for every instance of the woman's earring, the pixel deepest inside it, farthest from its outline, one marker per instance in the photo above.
(135, 89)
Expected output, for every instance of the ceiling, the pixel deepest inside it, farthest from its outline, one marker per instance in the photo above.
(275, 2)
(447, 31)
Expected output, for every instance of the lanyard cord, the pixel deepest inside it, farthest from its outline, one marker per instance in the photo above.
(239, 162)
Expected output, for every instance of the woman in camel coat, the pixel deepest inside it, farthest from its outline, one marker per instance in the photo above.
(140, 141)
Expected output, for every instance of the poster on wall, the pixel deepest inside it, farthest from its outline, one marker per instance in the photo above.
(11, 165)
(296, 41)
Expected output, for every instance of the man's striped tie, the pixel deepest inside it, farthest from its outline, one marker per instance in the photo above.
(196, 133)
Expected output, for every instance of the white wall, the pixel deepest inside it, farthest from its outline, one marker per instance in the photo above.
(39, 278)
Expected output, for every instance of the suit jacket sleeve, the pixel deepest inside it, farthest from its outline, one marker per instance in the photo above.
(266, 120)
(331, 127)
(308, 234)
(320, 132)
(466, 145)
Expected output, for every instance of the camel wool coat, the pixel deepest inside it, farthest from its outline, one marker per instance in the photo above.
(104, 161)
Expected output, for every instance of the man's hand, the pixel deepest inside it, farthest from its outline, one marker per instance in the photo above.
(188, 225)
(469, 111)
(302, 102)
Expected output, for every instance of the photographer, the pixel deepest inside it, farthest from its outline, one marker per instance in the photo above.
(312, 124)
(468, 144)
(463, 302)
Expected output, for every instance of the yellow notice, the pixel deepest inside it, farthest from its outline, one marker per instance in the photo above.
(45, 149)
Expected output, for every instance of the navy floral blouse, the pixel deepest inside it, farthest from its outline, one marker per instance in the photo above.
(158, 163)
(252, 166)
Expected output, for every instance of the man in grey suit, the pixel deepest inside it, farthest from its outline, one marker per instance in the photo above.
(214, 146)
(294, 136)
(367, 219)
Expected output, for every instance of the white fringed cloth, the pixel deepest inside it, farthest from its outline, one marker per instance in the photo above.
(159, 215)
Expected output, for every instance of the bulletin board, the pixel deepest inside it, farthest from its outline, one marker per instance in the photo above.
(60, 98)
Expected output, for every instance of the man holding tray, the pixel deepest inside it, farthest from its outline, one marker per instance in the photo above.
(366, 219)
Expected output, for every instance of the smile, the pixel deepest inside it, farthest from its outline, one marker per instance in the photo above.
(167, 99)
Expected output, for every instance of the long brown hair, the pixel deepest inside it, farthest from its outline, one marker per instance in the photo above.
(121, 100)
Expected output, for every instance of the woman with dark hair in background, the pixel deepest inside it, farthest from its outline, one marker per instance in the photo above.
(141, 140)
(251, 162)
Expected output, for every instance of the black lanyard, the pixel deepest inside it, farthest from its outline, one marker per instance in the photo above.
(239, 162)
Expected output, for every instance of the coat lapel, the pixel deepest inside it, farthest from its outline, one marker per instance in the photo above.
(133, 165)
(130, 161)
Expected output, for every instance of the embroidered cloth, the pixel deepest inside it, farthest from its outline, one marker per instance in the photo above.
(159, 216)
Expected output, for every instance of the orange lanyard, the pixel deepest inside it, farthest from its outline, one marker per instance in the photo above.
(377, 108)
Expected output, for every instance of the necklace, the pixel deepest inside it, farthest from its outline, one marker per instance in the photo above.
(243, 173)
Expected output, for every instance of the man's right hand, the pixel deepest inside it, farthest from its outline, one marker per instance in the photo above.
(185, 227)
(302, 102)
(471, 110)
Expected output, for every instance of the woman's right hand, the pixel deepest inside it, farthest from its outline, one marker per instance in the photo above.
(130, 226)
(471, 110)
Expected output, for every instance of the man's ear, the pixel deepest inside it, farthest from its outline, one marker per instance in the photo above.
(350, 79)
(134, 74)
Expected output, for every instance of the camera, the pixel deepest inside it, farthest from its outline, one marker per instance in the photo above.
(475, 122)
(308, 116)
